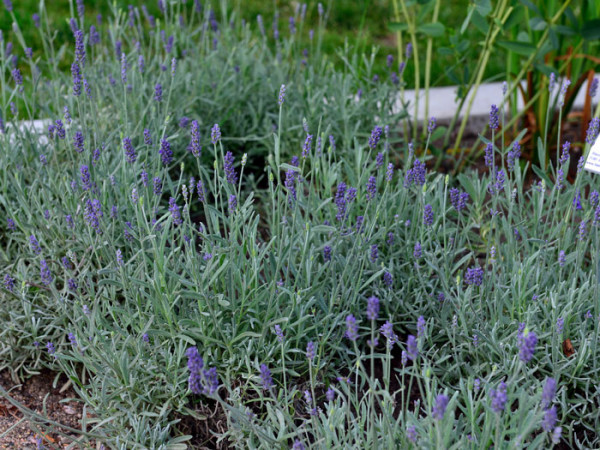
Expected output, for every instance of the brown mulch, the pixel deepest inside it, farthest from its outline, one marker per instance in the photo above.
(38, 394)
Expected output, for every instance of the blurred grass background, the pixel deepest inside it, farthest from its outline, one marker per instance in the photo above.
(361, 23)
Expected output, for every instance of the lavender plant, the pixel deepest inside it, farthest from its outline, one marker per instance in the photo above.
(324, 296)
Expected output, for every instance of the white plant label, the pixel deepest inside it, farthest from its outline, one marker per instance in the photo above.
(592, 163)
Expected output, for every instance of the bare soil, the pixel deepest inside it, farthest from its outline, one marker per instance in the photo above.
(39, 395)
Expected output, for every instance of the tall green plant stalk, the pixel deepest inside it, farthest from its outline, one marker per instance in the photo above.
(429, 50)
(524, 68)
(502, 15)
(412, 32)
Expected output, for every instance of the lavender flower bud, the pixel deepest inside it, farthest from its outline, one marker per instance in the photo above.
(439, 409)
(372, 308)
(351, 328)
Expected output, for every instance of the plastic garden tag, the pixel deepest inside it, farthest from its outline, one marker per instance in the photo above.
(592, 163)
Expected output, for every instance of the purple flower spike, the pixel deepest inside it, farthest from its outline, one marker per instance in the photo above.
(494, 120)
(439, 408)
(428, 215)
(593, 87)
(195, 365)
(129, 150)
(375, 137)
(230, 172)
(215, 134)
(158, 92)
(166, 154)
(527, 345)
(550, 419)
(592, 131)
(474, 276)
(351, 328)
(310, 351)
(498, 398)
(418, 252)
(45, 273)
(281, 98)
(195, 146)
(35, 246)
(265, 377)
(174, 210)
(388, 332)
(412, 350)
(78, 141)
(431, 126)
(548, 393)
(372, 308)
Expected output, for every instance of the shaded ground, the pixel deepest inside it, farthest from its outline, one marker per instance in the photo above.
(37, 394)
